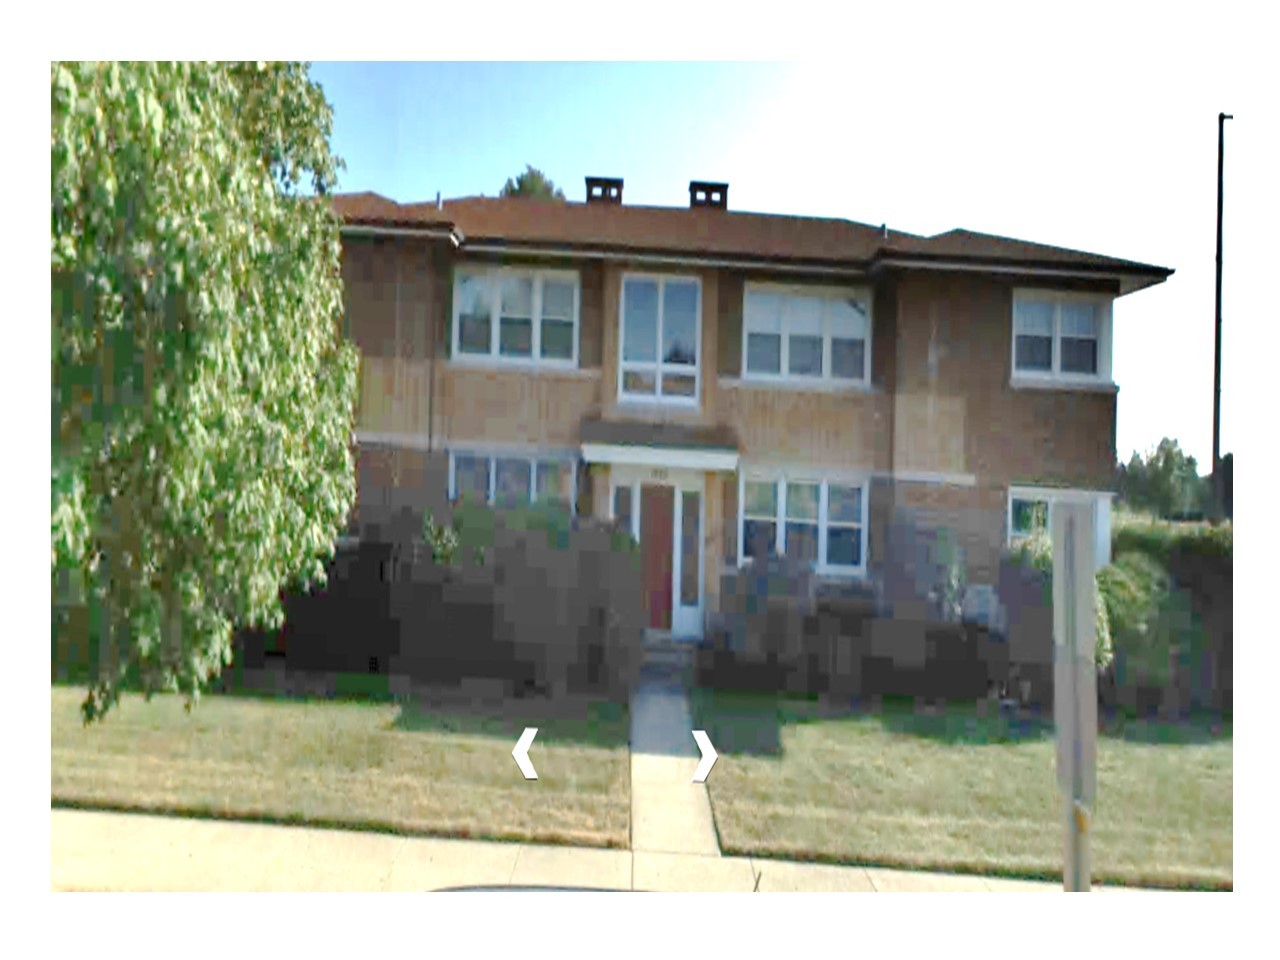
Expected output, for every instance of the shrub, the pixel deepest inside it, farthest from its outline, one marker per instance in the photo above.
(1162, 540)
(1036, 552)
(1150, 617)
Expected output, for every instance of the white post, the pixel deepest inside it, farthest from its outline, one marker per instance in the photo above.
(1075, 702)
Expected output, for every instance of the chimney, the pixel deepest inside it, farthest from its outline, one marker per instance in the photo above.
(604, 190)
(439, 204)
(704, 194)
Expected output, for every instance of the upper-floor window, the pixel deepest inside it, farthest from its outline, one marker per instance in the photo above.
(516, 315)
(660, 342)
(813, 336)
(1061, 336)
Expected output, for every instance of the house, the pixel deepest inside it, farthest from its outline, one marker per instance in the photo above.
(726, 383)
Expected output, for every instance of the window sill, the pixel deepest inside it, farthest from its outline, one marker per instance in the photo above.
(798, 386)
(645, 401)
(1063, 383)
(520, 365)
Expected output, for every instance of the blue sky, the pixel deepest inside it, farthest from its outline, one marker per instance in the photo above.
(1128, 172)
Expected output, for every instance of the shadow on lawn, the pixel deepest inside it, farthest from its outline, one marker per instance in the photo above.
(587, 722)
(752, 723)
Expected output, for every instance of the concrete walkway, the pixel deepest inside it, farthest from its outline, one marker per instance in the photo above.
(670, 814)
(132, 852)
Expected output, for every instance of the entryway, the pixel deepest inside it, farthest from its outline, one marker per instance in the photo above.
(665, 512)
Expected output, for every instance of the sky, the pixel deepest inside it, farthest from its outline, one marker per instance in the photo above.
(1111, 150)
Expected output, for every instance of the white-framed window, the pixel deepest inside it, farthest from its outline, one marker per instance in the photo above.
(1059, 336)
(806, 335)
(819, 521)
(1031, 509)
(516, 315)
(660, 340)
(508, 479)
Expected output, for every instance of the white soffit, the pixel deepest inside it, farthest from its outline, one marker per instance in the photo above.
(680, 458)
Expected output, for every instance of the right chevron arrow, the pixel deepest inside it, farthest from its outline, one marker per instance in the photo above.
(708, 756)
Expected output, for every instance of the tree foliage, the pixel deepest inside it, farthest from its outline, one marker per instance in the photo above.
(1165, 482)
(202, 396)
(532, 183)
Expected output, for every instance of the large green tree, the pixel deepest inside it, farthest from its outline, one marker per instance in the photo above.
(532, 183)
(202, 394)
(1165, 482)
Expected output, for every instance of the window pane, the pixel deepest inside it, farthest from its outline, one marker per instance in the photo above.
(764, 353)
(802, 503)
(622, 506)
(1033, 353)
(474, 295)
(1034, 317)
(806, 356)
(690, 506)
(1029, 515)
(760, 499)
(802, 541)
(1079, 320)
(512, 481)
(515, 337)
(759, 538)
(803, 315)
(557, 339)
(517, 297)
(1078, 355)
(848, 358)
(640, 320)
(680, 323)
(557, 299)
(639, 381)
(844, 546)
(679, 385)
(844, 504)
(554, 481)
(762, 312)
(471, 477)
(847, 318)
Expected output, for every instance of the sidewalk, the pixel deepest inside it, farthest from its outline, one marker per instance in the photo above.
(131, 852)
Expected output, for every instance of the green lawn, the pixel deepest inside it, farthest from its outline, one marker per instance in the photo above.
(962, 792)
(353, 764)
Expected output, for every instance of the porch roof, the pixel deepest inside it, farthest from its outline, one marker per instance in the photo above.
(676, 445)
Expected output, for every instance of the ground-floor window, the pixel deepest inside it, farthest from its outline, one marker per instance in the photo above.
(509, 479)
(1031, 510)
(818, 521)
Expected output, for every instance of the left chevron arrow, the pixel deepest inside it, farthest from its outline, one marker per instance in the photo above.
(521, 753)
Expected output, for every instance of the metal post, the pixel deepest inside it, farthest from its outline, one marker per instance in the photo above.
(1075, 694)
(1217, 342)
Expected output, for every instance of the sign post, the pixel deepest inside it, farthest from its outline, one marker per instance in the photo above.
(1075, 693)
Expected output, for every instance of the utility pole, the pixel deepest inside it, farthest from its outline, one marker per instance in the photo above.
(1217, 344)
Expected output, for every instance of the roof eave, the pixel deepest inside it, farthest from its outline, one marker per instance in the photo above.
(1130, 277)
(745, 261)
(393, 228)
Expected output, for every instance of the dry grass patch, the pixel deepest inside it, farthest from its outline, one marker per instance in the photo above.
(377, 766)
(962, 792)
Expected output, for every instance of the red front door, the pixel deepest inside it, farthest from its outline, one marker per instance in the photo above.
(657, 525)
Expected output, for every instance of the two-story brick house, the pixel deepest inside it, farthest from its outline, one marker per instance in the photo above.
(725, 382)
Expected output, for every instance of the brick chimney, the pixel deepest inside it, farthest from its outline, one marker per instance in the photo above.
(604, 190)
(704, 194)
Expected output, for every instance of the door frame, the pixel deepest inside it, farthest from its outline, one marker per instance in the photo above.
(687, 621)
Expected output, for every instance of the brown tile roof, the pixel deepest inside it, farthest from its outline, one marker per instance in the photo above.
(634, 433)
(701, 230)
(968, 244)
(717, 233)
(373, 209)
